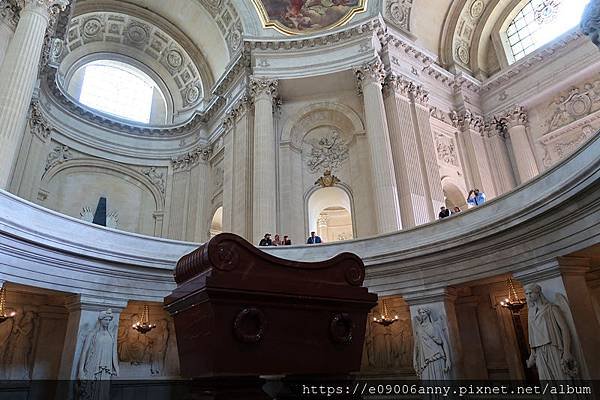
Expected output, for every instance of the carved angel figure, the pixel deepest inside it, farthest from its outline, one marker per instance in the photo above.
(431, 356)
(99, 354)
(549, 338)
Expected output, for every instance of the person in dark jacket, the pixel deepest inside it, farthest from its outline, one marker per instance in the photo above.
(313, 239)
(266, 241)
(287, 241)
(444, 212)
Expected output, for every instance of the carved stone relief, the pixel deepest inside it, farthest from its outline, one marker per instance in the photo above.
(157, 177)
(218, 179)
(328, 153)
(147, 355)
(38, 123)
(59, 155)
(573, 105)
(398, 12)
(446, 149)
(112, 216)
(558, 147)
(133, 32)
(465, 28)
(18, 337)
(388, 348)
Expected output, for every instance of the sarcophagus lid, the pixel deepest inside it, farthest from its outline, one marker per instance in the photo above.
(240, 311)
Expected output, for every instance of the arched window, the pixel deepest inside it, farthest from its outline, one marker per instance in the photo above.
(119, 89)
(539, 22)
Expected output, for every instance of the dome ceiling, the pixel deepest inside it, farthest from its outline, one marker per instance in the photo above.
(307, 16)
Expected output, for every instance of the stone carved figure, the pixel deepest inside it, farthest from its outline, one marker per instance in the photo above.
(98, 359)
(328, 154)
(549, 338)
(17, 341)
(387, 348)
(431, 355)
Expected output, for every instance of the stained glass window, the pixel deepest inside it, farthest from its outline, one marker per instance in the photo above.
(539, 22)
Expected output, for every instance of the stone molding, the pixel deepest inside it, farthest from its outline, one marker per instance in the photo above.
(188, 160)
(537, 213)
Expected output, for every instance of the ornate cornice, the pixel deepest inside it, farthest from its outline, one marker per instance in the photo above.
(407, 88)
(258, 86)
(369, 27)
(242, 64)
(191, 158)
(72, 106)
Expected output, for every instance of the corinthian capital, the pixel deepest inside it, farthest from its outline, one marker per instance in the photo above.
(9, 12)
(465, 119)
(51, 6)
(407, 88)
(371, 72)
(263, 87)
(515, 117)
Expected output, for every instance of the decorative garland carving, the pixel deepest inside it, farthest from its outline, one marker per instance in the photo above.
(328, 154)
(38, 123)
(446, 149)
(578, 102)
(156, 177)
(59, 155)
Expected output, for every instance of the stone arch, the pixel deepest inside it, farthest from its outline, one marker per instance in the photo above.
(123, 177)
(347, 203)
(454, 192)
(318, 114)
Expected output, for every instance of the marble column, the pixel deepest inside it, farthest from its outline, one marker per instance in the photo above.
(385, 192)
(470, 140)
(563, 283)
(9, 17)
(438, 305)
(414, 204)
(18, 75)
(516, 121)
(83, 317)
(237, 166)
(264, 190)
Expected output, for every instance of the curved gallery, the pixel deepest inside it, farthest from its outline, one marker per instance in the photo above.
(98, 206)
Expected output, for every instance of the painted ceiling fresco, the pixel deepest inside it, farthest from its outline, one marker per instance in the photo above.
(307, 16)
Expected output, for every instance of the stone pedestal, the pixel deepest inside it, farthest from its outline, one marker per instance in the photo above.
(439, 304)
(264, 198)
(522, 151)
(18, 75)
(83, 317)
(385, 192)
(563, 283)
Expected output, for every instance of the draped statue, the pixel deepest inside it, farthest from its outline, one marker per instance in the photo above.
(549, 338)
(431, 356)
(99, 355)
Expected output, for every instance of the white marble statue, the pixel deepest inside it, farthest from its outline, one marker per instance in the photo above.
(431, 356)
(549, 338)
(99, 354)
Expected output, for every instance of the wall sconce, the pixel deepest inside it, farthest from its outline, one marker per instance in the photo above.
(513, 302)
(4, 314)
(144, 326)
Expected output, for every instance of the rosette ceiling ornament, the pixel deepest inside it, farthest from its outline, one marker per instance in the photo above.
(296, 17)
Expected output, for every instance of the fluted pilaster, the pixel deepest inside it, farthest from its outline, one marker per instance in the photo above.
(264, 199)
(370, 78)
(18, 75)
(516, 122)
